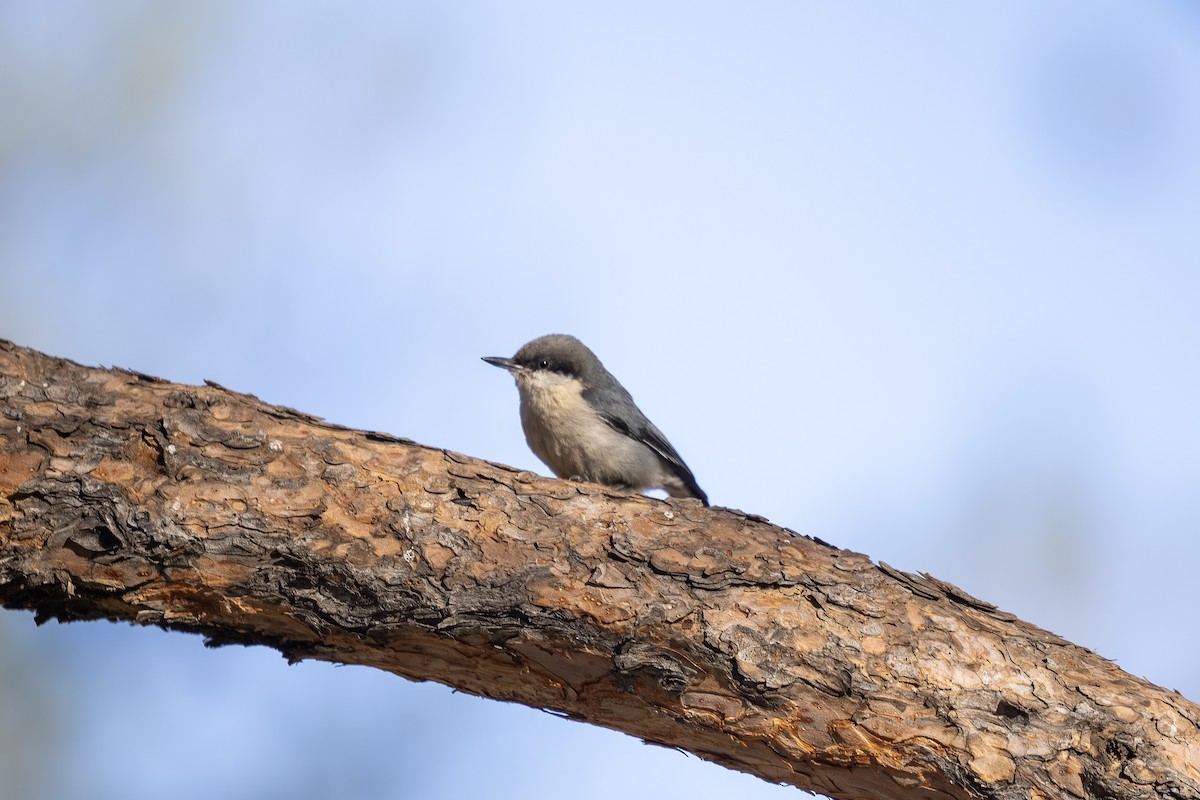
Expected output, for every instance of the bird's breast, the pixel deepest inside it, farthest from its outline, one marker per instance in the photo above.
(571, 437)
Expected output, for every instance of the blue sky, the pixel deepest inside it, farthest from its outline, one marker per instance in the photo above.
(919, 280)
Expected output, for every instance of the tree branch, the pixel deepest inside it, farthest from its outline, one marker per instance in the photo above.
(200, 509)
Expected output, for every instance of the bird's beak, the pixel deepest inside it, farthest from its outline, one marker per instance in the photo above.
(504, 363)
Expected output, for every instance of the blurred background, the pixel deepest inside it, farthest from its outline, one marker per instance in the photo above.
(923, 281)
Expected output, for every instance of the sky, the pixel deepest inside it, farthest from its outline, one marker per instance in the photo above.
(919, 280)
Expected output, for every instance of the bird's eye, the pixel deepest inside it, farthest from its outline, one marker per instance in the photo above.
(544, 364)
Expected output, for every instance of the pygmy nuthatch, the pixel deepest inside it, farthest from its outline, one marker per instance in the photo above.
(585, 426)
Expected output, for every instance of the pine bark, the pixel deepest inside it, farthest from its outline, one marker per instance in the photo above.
(196, 508)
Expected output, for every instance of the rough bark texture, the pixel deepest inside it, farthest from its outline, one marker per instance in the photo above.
(200, 509)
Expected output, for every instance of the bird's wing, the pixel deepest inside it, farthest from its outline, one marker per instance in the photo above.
(636, 426)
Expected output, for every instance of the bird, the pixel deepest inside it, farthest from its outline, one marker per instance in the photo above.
(584, 425)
